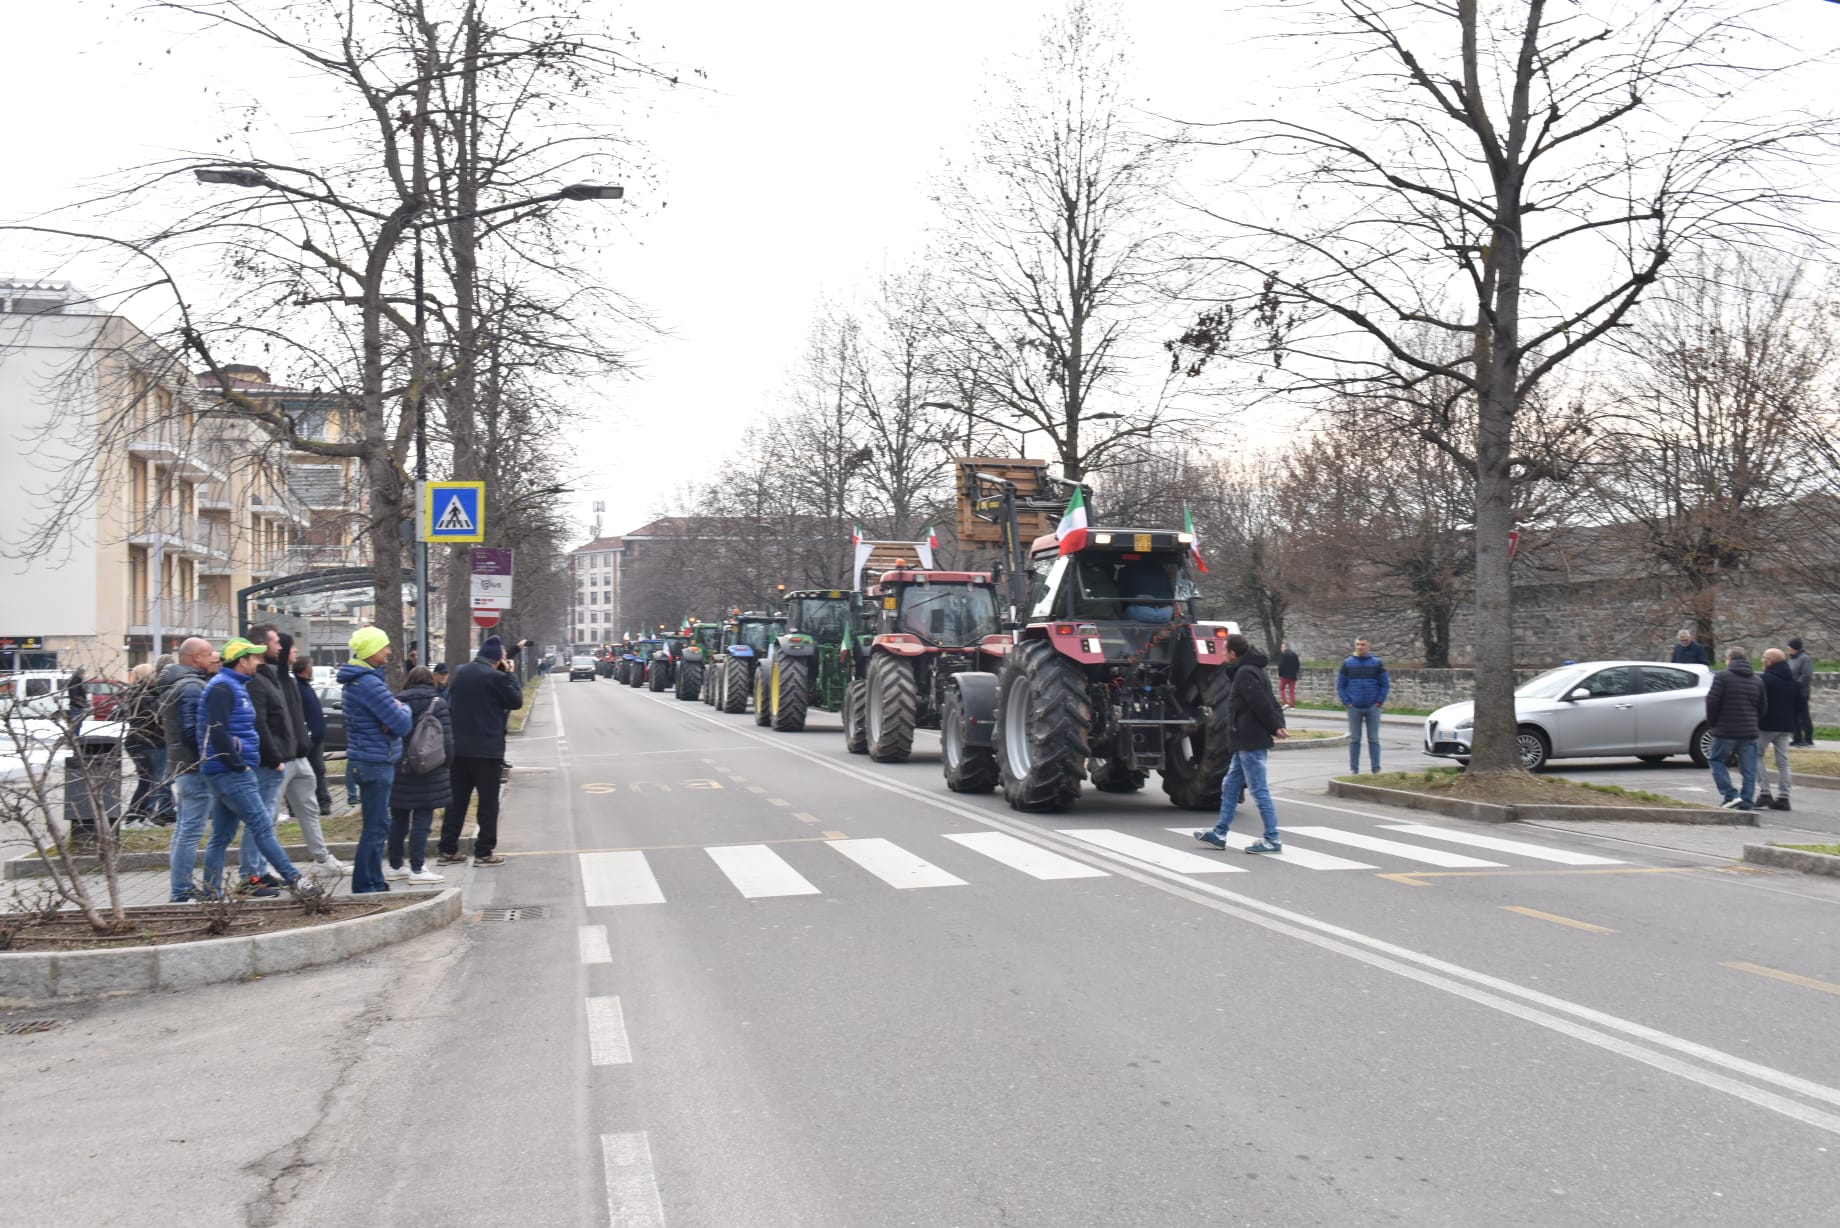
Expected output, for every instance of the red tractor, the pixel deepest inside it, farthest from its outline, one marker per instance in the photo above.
(930, 626)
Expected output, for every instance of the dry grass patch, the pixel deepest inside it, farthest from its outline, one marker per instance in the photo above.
(1517, 789)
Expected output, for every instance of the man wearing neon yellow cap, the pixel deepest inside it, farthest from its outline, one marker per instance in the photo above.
(375, 725)
(228, 747)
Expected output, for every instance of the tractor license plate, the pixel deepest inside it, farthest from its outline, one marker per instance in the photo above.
(1140, 542)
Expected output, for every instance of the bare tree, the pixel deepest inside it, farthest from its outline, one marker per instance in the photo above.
(1059, 258)
(1706, 452)
(1479, 191)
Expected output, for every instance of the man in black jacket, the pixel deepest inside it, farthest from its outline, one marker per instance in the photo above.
(299, 784)
(1253, 719)
(1777, 728)
(481, 698)
(1289, 669)
(1735, 708)
(275, 732)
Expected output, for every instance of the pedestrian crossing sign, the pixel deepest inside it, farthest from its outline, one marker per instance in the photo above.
(453, 512)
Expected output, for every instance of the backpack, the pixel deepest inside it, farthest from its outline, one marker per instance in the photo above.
(426, 748)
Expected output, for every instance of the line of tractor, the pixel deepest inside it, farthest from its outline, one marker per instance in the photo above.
(1078, 656)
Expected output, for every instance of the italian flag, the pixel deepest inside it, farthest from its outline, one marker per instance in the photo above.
(1071, 531)
(1194, 543)
(925, 548)
(856, 536)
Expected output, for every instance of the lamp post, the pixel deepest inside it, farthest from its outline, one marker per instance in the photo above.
(252, 177)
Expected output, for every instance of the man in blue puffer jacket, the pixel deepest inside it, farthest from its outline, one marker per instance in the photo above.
(1361, 686)
(228, 747)
(375, 725)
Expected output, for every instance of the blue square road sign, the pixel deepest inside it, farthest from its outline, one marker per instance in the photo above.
(453, 512)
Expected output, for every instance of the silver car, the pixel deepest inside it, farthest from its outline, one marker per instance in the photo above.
(1594, 709)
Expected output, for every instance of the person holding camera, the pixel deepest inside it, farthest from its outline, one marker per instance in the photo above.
(481, 697)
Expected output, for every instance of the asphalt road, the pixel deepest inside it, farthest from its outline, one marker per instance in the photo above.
(778, 984)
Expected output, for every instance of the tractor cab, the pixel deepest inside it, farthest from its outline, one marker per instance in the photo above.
(949, 608)
(825, 616)
(753, 634)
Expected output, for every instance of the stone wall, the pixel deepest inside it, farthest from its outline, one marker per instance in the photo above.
(1433, 688)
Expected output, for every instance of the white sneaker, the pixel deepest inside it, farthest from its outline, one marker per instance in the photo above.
(425, 875)
(396, 872)
(332, 865)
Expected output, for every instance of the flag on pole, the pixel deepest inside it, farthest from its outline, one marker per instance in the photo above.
(862, 550)
(1071, 531)
(1194, 543)
(925, 548)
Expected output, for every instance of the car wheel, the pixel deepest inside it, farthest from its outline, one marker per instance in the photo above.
(1535, 750)
(1700, 748)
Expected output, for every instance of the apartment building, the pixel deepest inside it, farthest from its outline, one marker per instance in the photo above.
(130, 513)
(594, 609)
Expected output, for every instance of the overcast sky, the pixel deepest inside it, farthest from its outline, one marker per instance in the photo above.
(797, 170)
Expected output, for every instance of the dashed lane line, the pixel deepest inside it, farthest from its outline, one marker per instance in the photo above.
(632, 1186)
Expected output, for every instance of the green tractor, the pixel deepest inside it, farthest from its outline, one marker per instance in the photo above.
(704, 647)
(746, 640)
(811, 666)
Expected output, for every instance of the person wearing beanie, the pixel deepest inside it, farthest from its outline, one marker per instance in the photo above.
(482, 696)
(375, 725)
(1735, 708)
(229, 749)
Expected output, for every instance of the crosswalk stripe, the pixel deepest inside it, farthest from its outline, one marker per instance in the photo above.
(594, 948)
(1021, 855)
(1309, 859)
(894, 865)
(1374, 844)
(757, 871)
(1537, 851)
(607, 1043)
(1152, 852)
(618, 878)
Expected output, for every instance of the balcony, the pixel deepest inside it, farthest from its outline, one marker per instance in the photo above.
(170, 530)
(179, 617)
(159, 443)
(214, 496)
(279, 507)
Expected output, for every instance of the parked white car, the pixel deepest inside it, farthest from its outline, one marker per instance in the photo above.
(1594, 709)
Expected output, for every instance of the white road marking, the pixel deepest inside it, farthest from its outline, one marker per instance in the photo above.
(758, 872)
(1292, 855)
(618, 878)
(607, 1045)
(1139, 849)
(1537, 851)
(1573, 1019)
(1395, 848)
(1031, 859)
(632, 1187)
(894, 865)
(594, 948)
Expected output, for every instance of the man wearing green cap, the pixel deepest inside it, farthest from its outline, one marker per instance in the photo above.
(375, 725)
(228, 747)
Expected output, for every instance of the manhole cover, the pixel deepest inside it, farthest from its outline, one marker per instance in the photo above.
(25, 1027)
(513, 914)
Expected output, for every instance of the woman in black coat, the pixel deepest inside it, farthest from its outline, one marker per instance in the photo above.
(414, 799)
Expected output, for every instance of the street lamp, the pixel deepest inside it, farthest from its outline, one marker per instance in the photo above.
(242, 178)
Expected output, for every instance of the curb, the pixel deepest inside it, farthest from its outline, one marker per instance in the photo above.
(32, 866)
(1792, 859)
(38, 976)
(1340, 739)
(1537, 813)
(1802, 780)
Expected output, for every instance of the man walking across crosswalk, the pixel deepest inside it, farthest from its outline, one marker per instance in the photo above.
(1251, 723)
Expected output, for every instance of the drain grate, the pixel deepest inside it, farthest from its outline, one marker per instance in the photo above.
(25, 1027)
(528, 913)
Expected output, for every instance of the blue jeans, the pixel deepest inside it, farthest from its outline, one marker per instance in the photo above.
(193, 807)
(1248, 769)
(1746, 749)
(374, 783)
(239, 800)
(351, 783)
(249, 859)
(153, 796)
(1367, 719)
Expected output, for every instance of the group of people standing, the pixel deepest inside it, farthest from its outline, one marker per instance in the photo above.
(1747, 711)
(232, 734)
(1689, 651)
